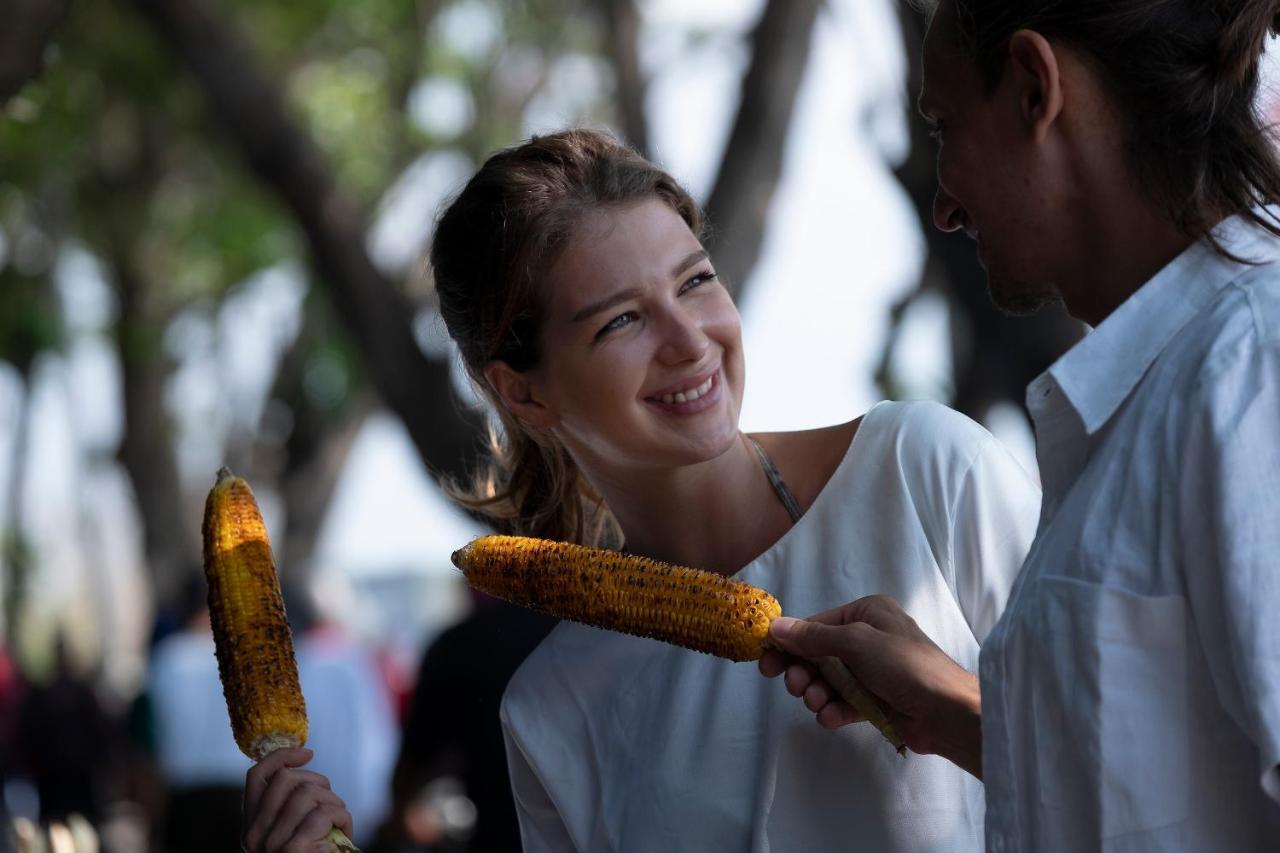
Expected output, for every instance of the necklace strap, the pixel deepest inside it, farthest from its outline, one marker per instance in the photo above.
(775, 480)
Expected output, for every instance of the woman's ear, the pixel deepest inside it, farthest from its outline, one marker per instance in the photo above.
(517, 394)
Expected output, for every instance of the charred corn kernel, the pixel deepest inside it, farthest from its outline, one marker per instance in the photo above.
(250, 632)
(696, 609)
(693, 608)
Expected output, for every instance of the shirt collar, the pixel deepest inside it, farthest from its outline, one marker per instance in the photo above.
(1099, 373)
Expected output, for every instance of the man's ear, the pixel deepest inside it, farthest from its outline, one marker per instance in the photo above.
(517, 394)
(1038, 82)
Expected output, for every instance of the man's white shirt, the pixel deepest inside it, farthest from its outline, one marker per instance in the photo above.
(1131, 692)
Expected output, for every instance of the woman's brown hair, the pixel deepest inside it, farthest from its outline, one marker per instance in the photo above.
(492, 249)
(1186, 74)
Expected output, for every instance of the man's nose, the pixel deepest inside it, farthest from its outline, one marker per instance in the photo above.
(948, 215)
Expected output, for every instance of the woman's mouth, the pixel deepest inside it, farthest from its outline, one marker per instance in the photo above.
(689, 400)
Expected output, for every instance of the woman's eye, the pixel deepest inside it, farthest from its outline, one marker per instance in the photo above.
(617, 323)
(698, 279)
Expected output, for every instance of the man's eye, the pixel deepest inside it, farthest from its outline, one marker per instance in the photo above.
(936, 132)
(698, 279)
(617, 323)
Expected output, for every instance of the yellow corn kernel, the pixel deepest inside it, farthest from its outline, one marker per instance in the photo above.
(696, 609)
(251, 634)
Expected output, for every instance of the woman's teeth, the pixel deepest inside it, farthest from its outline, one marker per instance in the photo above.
(690, 395)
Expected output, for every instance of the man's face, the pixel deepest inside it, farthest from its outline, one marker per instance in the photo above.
(993, 182)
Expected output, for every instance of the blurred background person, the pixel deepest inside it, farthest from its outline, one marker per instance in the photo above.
(200, 765)
(451, 790)
(351, 723)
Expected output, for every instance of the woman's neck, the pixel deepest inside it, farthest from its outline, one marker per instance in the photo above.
(717, 515)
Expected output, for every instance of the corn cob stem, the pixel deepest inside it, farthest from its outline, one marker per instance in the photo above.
(251, 633)
(852, 691)
(693, 608)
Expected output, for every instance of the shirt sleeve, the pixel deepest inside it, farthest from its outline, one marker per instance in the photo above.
(1228, 476)
(541, 826)
(993, 520)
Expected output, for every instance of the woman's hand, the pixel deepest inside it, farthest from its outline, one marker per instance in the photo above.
(933, 703)
(287, 809)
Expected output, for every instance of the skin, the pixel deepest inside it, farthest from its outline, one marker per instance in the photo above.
(632, 310)
(288, 809)
(684, 486)
(1036, 172)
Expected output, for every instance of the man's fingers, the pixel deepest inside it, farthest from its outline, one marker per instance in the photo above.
(808, 639)
(798, 678)
(818, 695)
(833, 715)
(773, 663)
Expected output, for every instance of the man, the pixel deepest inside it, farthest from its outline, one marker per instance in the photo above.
(1107, 153)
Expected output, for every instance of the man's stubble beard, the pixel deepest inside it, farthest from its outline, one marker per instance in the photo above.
(1019, 298)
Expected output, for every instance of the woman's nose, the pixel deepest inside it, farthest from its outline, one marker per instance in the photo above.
(948, 215)
(683, 339)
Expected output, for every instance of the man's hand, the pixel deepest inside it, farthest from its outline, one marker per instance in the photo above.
(933, 702)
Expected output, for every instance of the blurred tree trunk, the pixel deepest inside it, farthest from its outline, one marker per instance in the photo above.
(146, 451)
(622, 34)
(378, 317)
(26, 29)
(316, 448)
(995, 356)
(738, 206)
(116, 197)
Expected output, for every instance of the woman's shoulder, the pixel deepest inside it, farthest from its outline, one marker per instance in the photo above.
(916, 428)
(926, 424)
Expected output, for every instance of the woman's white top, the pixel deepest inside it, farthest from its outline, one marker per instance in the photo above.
(619, 743)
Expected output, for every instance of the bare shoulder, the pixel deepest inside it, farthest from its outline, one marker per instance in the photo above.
(807, 458)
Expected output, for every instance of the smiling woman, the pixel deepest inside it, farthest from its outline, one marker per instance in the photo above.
(495, 244)
(571, 274)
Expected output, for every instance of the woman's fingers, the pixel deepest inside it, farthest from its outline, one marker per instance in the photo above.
(280, 799)
(293, 822)
(315, 826)
(255, 782)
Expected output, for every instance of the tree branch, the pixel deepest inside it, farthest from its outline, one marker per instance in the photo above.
(622, 31)
(378, 317)
(28, 27)
(751, 167)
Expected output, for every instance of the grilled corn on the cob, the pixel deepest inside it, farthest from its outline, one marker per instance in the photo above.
(699, 610)
(693, 608)
(251, 635)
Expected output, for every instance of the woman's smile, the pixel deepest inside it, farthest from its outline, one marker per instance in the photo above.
(689, 398)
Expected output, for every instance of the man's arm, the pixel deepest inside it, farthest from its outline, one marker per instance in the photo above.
(933, 702)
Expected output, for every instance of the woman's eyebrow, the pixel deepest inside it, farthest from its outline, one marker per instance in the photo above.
(631, 292)
(691, 259)
(605, 303)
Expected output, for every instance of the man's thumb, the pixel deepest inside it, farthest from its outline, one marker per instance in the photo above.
(806, 639)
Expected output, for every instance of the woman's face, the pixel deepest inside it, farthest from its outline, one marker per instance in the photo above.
(641, 349)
